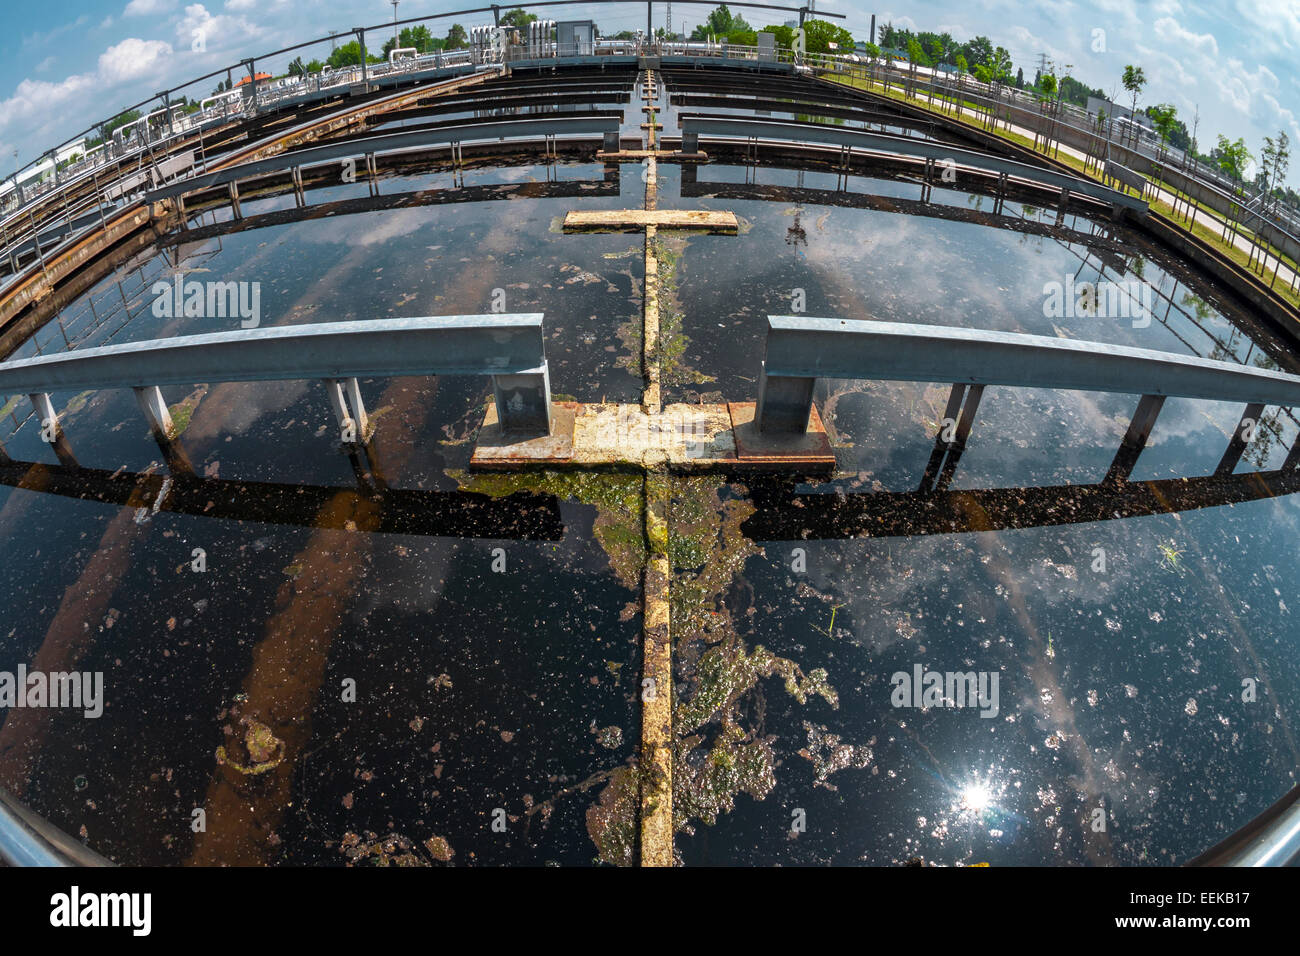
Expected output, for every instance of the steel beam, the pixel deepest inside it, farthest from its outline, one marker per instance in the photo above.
(803, 347)
(507, 347)
(901, 145)
(413, 140)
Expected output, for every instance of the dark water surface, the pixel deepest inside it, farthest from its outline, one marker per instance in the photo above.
(419, 700)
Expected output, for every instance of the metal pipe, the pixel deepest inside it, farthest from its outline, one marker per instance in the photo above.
(1271, 839)
(27, 839)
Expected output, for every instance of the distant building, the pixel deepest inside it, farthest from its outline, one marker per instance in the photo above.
(575, 35)
(1117, 111)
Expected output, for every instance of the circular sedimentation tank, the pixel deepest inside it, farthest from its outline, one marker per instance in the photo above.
(398, 650)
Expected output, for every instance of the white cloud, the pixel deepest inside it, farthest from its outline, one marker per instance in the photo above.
(146, 8)
(1276, 22)
(38, 107)
(1171, 31)
(219, 32)
(132, 58)
(1253, 94)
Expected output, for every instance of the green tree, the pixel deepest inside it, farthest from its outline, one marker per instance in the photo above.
(1163, 117)
(978, 50)
(719, 23)
(1276, 160)
(121, 119)
(457, 38)
(1232, 158)
(1000, 65)
(414, 38)
(915, 54)
(517, 18)
(1134, 79)
(349, 54)
(784, 36)
(820, 34)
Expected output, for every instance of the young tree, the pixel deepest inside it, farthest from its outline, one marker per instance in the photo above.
(1275, 159)
(1164, 117)
(1134, 79)
(1232, 158)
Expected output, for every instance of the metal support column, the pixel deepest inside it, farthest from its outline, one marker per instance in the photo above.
(1135, 439)
(46, 415)
(361, 41)
(784, 402)
(524, 401)
(155, 410)
(1249, 422)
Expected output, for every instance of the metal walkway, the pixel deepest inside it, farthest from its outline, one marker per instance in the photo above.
(757, 130)
(533, 129)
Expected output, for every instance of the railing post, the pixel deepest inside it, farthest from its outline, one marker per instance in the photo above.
(784, 402)
(155, 410)
(361, 42)
(1135, 439)
(354, 424)
(46, 416)
(524, 401)
(358, 409)
(1249, 422)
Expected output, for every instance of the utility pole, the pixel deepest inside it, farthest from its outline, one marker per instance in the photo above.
(394, 3)
(1043, 64)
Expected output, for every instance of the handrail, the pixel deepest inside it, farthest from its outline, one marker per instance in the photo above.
(509, 348)
(1271, 839)
(803, 346)
(27, 839)
(389, 143)
(904, 145)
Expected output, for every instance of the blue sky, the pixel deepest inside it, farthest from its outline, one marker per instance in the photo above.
(69, 63)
